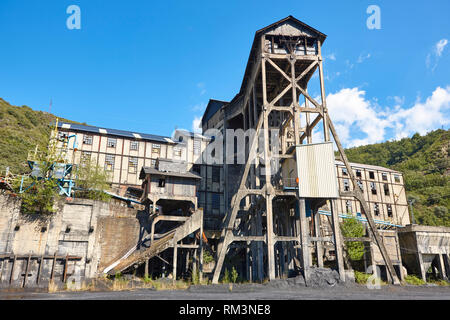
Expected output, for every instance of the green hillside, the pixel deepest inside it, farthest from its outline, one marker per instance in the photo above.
(424, 161)
(21, 128)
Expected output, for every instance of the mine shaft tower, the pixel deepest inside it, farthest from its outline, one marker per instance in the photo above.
(283, 58)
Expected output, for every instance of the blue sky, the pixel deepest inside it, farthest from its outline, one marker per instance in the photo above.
(151, 66)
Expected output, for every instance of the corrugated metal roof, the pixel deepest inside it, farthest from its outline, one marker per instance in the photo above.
(150, 170)
(114, 132)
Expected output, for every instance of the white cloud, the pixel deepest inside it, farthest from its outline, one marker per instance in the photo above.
(196, 125)
(440, 46)
(353, 114)
(331, 56)
(362, 57)
(201, 86)
(199, 107)
(433, 57)
(423, 116)
(349, 107)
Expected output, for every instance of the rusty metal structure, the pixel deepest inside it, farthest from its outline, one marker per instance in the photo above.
(264, 214)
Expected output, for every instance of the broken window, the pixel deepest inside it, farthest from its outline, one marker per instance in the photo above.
(371, 175)
(386, 189)
(344, 171)
(132, 165)
(111, 143)
(376, 209)
(373, 188)
(346, 185)
(87, 139)
(358, 173)
(109, 162)
(85, 157)
(397, 178)
(162, 183)
(384, 176)
(156, 148)
(134, 145)
(360, 185)
(215, 174)
(348, 206)
(389, 210)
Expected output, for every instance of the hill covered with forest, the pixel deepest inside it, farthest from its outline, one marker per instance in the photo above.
(425, 164)
(21, 129)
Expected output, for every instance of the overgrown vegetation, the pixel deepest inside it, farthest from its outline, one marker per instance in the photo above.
(352, 228)
(21, 129)
(414, 280)
(92, 179)
(424, 162)
(230, 277)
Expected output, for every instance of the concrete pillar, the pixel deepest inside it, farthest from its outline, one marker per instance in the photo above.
(441, 266)
(421, 268)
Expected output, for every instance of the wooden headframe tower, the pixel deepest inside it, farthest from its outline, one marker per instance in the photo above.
(274, 94)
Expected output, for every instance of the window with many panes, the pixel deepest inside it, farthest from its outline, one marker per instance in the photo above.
(111, 143)
(373, 188)
(134, 145)
(386, 189)
(177, 152)
(346, 185)
(197, 147)
(132, 165)
(389, 210)
(85, 157)
(87, 139)
(376, 209)
(348, 206)
(360, 185)
(109, 162)
(156, 148)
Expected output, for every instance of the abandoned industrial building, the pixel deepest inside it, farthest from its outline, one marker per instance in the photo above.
(267, 221)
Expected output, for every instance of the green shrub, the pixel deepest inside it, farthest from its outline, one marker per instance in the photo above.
(234, 275)
(414, 280)
(226, 277)
(361, 277)
(352, 228)
(207, 257)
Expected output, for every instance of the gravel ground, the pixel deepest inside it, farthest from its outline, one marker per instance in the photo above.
(274, 291)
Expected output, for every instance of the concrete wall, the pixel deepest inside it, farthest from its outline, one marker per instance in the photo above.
(95, 231)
